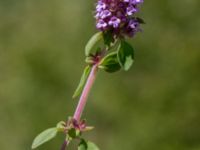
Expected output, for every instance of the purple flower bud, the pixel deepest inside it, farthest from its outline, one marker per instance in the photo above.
(133, 24)
(104, 14)
(138, 1)
(100, 6)
(127, 1)
(97, 15)
(101, 24)
(114, 21)
(131, 10)
(134, 1)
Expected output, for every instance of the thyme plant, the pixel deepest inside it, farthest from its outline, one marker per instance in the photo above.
(107, 50)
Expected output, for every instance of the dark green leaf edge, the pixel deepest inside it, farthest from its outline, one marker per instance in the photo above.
(87, 145)
(82, 81)
(125, 54)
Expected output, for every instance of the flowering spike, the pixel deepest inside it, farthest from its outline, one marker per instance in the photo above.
(118, 16)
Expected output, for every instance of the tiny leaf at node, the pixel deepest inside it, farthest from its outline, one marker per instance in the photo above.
(140, 20)
(89, 60)
(61, 126)
(88, 128)
(82, 81)
(110, 63)
(72, 133)
(92, 42)
(125, 55)
(83, 145)
(44, 137)
(92, 146)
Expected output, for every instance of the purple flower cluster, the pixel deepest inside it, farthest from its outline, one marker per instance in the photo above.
(118, 16)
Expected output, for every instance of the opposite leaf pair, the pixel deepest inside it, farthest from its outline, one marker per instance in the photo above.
(97, 52)
(72, 129)
(122, 58)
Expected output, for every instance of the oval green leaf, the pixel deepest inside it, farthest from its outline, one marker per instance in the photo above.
(92, 146)
(125, 55)
(110, 63)
(92, 42)
(44, 137)
(83, 145)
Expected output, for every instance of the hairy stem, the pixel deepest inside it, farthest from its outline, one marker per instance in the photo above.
(85, 93)
(83, 99)
(64, 145)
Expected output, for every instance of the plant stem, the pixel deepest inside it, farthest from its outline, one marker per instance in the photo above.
(83, 99)
(85, 93)
(64, 145)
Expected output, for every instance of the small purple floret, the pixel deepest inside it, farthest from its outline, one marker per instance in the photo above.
(101, 24)
(131, 10)
(133, 24)
(115, 22)
(100, 6)
(104, 14)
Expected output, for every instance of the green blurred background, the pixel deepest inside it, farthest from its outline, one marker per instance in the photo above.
(155, 106)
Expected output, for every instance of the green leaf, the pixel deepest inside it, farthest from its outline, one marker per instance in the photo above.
(72, 133)
(108, 38)
(110, 63)
(125, 55)
(61, 126)
(44, 137)
(88, 128)
(89, 60)
(92, 146)
(140, 20)
(83, 145)
(92, 42)
(82, 81)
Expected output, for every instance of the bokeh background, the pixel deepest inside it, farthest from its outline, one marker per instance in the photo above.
(154, 106)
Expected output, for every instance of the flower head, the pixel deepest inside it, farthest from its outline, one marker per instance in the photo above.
(118, 16)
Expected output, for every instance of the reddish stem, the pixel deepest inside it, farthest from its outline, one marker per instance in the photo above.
(64, 145)
(85, 93)
(83, 99)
